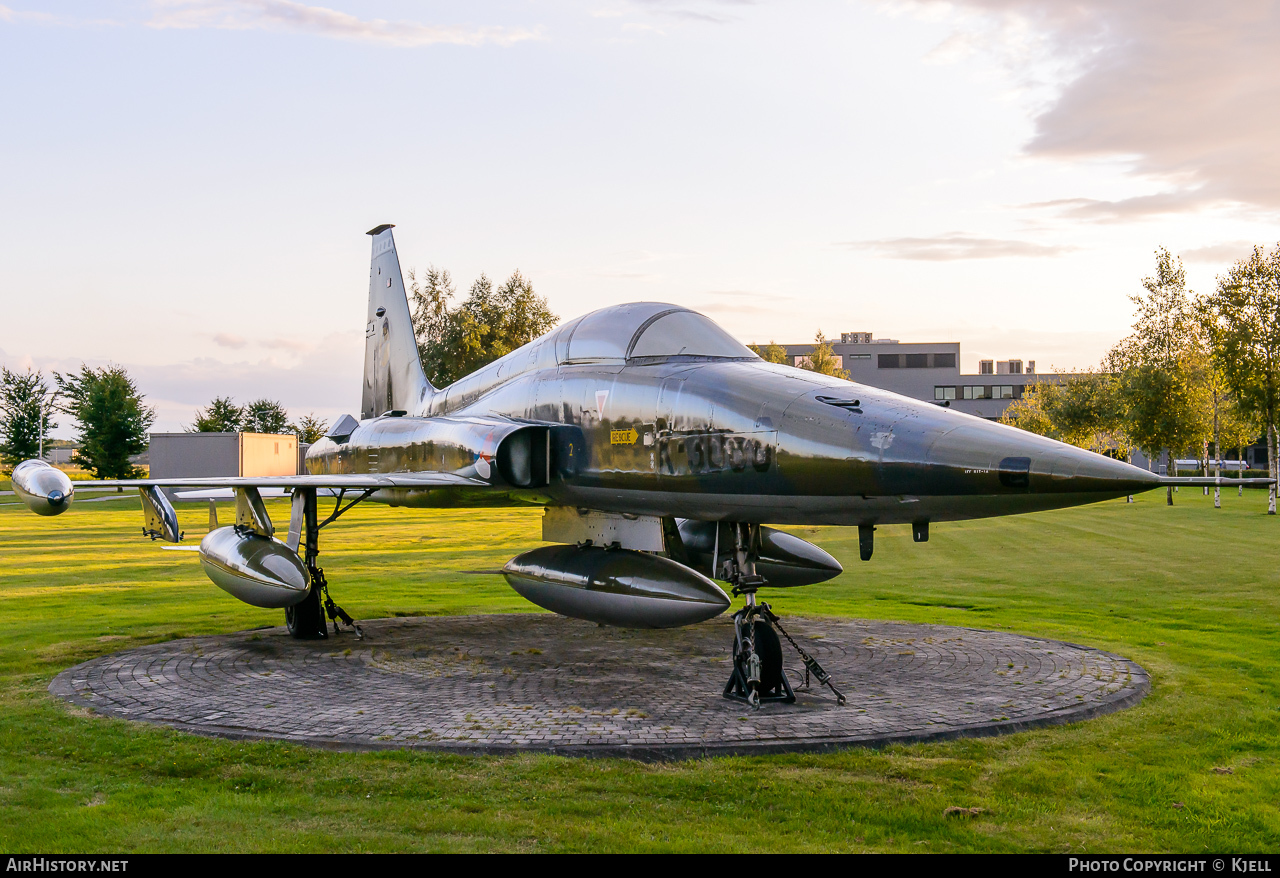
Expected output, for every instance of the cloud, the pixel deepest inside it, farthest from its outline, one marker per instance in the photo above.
(294, 345)
(288, 15)
(707, 11)
(7, 14)
(953, 246)
(1128, 209)
(627, 275)
(738, 295)
(10, 15)
(733, 308)
(1227, 251)
(1180, 91)
(276, 343)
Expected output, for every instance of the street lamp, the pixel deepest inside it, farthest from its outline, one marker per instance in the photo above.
(46, 403)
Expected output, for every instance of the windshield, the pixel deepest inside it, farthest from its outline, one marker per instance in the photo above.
(686, 334)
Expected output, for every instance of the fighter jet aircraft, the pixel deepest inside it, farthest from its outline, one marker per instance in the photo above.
(660, 447)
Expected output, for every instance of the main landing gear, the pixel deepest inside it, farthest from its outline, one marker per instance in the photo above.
(758, 676)
(306, 620)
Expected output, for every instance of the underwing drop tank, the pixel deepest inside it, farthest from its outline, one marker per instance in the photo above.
(45, 489)
(258, 570)
(617, 587)
(785, 560)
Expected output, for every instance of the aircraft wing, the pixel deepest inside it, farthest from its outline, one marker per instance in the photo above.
(47, 491)
(349, 481)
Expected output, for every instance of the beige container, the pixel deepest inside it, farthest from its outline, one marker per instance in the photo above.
(268, 454)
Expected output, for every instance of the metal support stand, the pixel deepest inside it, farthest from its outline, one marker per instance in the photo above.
(758, 676)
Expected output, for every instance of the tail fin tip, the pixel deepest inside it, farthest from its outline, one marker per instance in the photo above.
(378, 230)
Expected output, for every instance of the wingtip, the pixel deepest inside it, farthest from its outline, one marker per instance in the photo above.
(378, 230)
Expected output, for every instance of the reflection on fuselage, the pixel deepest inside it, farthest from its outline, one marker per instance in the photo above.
(720, 438)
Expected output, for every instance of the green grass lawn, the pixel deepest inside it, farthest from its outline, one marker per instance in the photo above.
(1190, 593)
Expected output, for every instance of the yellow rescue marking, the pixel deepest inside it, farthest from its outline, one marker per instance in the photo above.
(623, 437)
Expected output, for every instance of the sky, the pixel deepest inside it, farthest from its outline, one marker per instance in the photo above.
(186, 184)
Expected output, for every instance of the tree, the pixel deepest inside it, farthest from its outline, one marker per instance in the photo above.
(1244, 334)
(772, 353)
(1081, 408)
(432, 320)
(264, 416)
(222, 416)
(490, 323)
(1167, 323)
(113, 421)
(1034, 412)
(1162, 366)
(25, 402)
(824, 359)
(309, 429)
(1167, 407)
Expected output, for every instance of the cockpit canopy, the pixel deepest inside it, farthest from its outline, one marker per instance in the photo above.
(646, 332)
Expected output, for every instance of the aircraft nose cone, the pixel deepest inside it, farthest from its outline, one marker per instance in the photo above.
(1012, 461)
(1077, 470)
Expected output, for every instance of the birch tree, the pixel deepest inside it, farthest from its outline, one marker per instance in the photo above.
(1161, 364)
(1244, 333)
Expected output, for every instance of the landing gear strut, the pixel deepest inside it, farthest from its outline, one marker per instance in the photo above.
(758, 676)
(306, 620)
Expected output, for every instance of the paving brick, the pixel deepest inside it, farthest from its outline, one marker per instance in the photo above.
(505, 683)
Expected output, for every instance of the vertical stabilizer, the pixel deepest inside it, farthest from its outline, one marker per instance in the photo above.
(393, 376)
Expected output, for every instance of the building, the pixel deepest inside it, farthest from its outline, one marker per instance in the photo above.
(180, 455)
(928, 371)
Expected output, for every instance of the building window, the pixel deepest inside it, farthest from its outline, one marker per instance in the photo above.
(944, 393)
(888, 361)
(944, 361)
(917, 361)
(986, 367)
(857, 356)
(978, 391)
(1004, 391)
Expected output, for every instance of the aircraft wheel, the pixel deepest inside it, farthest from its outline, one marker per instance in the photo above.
(769, 648)
(305, 620)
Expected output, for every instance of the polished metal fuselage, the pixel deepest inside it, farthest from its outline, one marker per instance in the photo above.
(731, 440)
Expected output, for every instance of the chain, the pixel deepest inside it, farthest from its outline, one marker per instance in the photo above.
(331, 608)
(810, 663)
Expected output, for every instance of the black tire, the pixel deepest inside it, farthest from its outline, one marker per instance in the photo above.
(306, 621)
(769, 648)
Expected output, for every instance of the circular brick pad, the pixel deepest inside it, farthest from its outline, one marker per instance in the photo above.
(502, 683)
